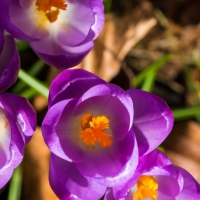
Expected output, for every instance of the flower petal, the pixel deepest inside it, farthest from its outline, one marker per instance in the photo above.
(6, 21)
(72, 84)
(5, 139)
(191, 189)
(68, 183)
(1, 38)
(153, 120)
(23, 16)
(97, 162)
(57, 133)
(26, 116)
(58, 55)
(98, 10)
(9, 62)
(75, 29)
(5, 175)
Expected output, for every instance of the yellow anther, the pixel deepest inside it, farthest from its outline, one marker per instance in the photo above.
(94, 130)
(51, 8)
(147, 188)
(45, 5)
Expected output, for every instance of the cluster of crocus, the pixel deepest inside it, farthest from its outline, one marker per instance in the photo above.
(104, 139)
(60, 32)
(17, 117)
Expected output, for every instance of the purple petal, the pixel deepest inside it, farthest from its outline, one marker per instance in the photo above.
(120, 158)
(26, 116)
(6, 21)
(109, 194)
(68, 183)
(111, 101)
(14, 152)
(66, 83)
(5, 138)
(57, 129)
(9, 62)
(22, 17)
(98, 10)
(1, 38)
(191, 189)
(69, 57)
(153, 120)
(148, 162)
(16, 144)
(78, 27)
(5, 175)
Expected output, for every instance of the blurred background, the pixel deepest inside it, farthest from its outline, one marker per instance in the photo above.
(148, 44)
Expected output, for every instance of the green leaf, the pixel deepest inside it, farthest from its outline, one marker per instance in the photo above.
(149, 82)
(29, 93)
(33, 71)
(33, 83)
(151, 70)
(14, 192)
(185, 113)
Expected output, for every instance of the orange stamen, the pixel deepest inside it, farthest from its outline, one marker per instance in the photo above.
(147, 188)
(94, 130)
(45, 5)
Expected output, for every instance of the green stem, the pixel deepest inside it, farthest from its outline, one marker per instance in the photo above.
(14, 192)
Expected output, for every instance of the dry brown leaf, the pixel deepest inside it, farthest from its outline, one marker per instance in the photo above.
(118, 37)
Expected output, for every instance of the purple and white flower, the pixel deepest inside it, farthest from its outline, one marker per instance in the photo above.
(61, 32)
(156, 179)
(17, 125)
(96, 132)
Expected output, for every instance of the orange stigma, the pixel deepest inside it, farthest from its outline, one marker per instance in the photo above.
(51, 8)
(147, 188)
(94, 130)
(45, 5)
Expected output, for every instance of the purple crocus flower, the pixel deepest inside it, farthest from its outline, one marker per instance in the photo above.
(61, 32)
(17, 125)
(156, 179)
(94, 130)
(9, 61)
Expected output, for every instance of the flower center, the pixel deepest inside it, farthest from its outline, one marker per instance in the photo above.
(147, 188)
(93, 130)
(51, 8)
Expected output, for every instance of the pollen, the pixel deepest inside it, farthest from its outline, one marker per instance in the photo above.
(51, 8)
(46, 5)
(93, 130)
(147, 188)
